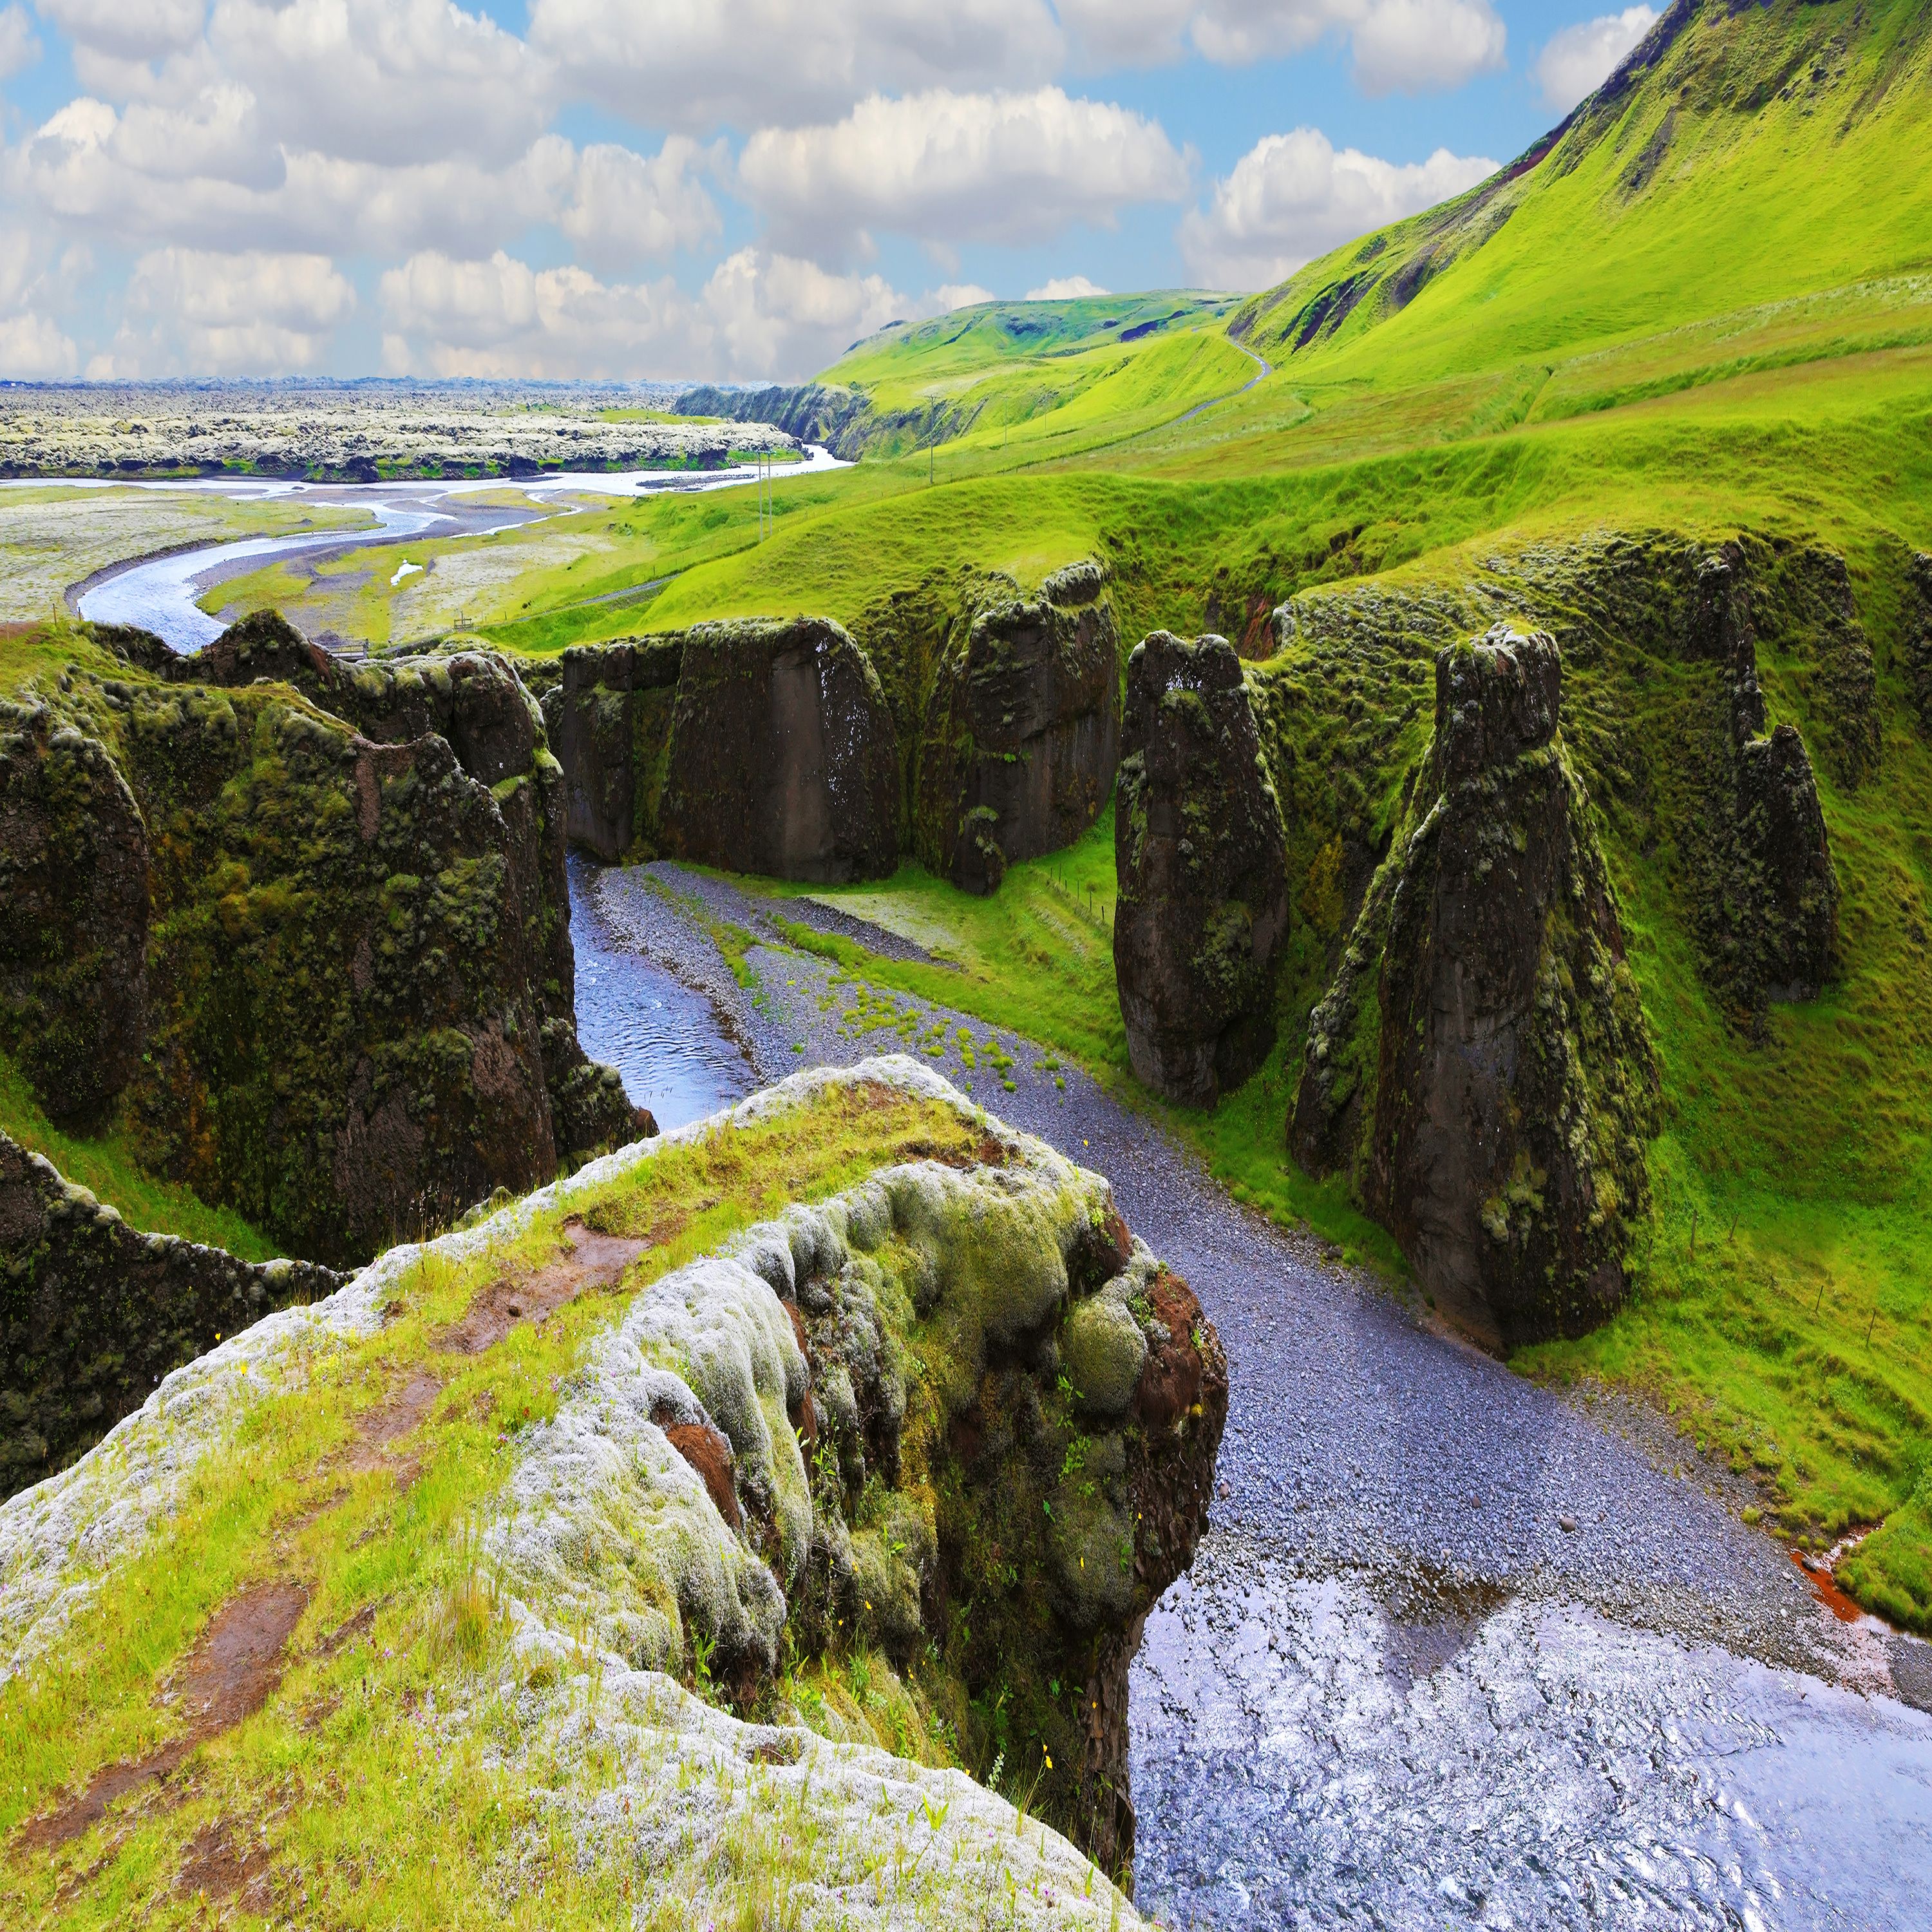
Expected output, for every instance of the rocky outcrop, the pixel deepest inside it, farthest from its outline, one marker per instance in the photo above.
(1918, 635)
(782, 758)
(93, 1315)
(352, 1000)
(1199, 844)
(958, 1414)
(1767, 912)
(74, 915)
(609, 721)
(1481, 1063)
(1019, 755)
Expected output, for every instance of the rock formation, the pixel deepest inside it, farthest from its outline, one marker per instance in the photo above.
(782, 758)
(1768, 911)
(1023, 736)
(74, 915)
(609, 721)
(1197, 840)
(1918, 628)
(976, 726)
(321, 947)
(1481, 1062)
(93, 1315)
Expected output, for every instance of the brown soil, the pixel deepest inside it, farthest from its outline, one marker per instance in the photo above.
(229, 1675)
(590, 1260)
(218, 1865)
(708, 1452)
(1170, 1383)
(390, 1420)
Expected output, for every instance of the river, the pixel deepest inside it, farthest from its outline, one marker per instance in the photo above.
(1455, 1651)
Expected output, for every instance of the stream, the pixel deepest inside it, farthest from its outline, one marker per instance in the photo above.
(1455, 1651)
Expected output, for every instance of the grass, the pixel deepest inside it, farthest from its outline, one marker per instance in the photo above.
(104, 1164)
(389, 1780)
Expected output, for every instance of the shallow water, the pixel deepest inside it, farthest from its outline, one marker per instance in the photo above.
(668, 1041)
(1305, 1755)
(159, 594)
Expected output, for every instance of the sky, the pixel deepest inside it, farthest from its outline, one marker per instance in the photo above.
(728, 190)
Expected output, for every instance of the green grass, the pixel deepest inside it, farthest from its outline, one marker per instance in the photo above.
(104, 1164)
(372, 1816)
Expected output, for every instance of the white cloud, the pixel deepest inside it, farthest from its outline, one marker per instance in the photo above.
(760, 315)
(35, 281)
(693, 65)
(1293, 197)
(35, 348)
(392, 81)
(1065, 288)
(627, 208)
(949, 295)
(134, 30)
(1578, 60)
(256, 313)
(950, 168)
(1410, 45)
(18, 48)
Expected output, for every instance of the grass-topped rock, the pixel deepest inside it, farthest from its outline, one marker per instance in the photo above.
(1198, 839)
(329, 904)
(1481, 1064)
(689, 1530)
(93, 1313)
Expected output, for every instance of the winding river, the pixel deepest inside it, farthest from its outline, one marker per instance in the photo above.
(1455, 1652)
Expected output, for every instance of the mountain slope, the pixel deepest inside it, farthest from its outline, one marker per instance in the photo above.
(1743, 155)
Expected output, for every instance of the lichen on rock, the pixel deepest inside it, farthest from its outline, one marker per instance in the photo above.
(1199, 849)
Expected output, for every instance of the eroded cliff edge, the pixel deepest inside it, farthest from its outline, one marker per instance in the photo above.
(749, 1491)
(304, 928)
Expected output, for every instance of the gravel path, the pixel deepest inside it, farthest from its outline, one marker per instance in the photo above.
(1363, 1452)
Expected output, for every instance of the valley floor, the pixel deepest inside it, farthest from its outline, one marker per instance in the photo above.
(1609, 1650)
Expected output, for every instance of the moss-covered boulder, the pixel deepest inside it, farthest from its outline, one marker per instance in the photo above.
(1482, 1061)
(93, 1314)
(73, 914)
(1198, 841)
(355, 979)
(782, 758)
(1022, 732)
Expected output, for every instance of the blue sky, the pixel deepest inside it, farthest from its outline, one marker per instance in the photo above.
(726, 188)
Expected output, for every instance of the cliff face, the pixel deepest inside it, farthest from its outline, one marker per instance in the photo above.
(355, 998)
(1482, 1061)
(1203, 908)
(971, 729)
(1022, 732)
(93, 1315)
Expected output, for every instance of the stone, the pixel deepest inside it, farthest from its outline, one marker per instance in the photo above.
(609, 721)
(1019, 755)
(782, 759)
(1203, 910)
(1918, 635)
(93, 1314)
(1482, 1062)
(74, 915)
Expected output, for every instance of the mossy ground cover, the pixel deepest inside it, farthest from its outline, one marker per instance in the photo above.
(352, 1783)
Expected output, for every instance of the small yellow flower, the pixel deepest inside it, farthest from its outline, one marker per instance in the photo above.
(1048, 1757)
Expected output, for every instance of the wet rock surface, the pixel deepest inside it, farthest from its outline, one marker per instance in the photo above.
(1022, 735)
(1363, 1451)
(1198, 839)
(93, 1314)
(607, 717)
(1482, 1065)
